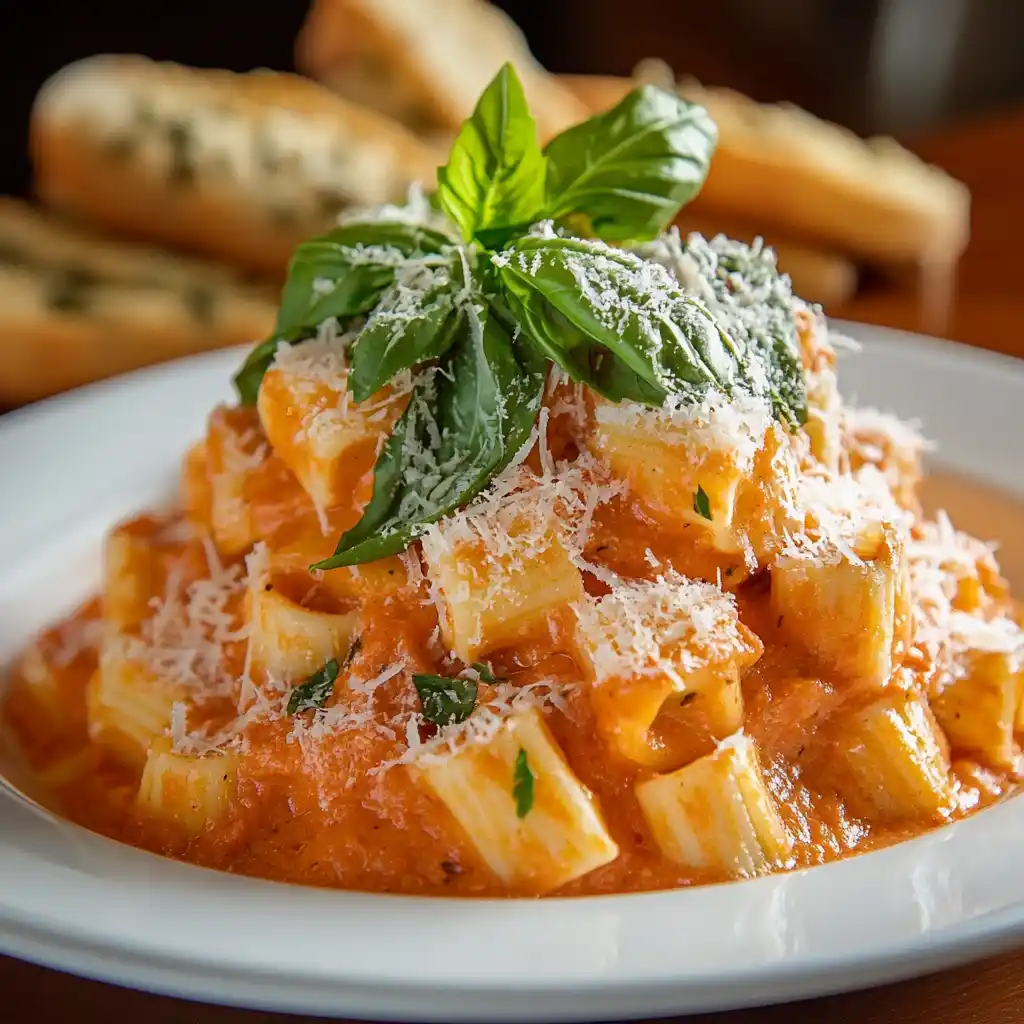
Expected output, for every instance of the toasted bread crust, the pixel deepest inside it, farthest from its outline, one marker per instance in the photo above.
(237, 167)
(76, 307)
(34, 237)
(45, 350)
(426, 64)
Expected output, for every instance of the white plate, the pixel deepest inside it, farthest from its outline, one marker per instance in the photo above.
(73, 900)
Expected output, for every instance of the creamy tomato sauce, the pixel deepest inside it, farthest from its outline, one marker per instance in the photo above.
(315, 815)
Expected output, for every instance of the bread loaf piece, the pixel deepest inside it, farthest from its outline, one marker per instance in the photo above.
(426, 63)
(33, 237)
(782, 169)
(75, 308)
(240, 168)
(598, 92)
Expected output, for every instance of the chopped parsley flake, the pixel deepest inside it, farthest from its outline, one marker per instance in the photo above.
(313, 693)
(522, 784)
(484, 672)
(445, 701)
(701, 504)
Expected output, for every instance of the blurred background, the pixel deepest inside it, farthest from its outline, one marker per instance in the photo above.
(921, 70)
(875, 65)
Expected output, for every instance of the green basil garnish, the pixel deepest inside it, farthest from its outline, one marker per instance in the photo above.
(494, 178)
(343, 274)
(629, 170)
(484, 672)
(313, 693)
(250, 376)
(463, 424)
(619, 324)
(476, 320)
(522, 784)
(701, 504)
(445, 701)
(746, 282)
(415, 320)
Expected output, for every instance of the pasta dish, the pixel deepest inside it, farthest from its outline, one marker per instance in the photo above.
(539, 555)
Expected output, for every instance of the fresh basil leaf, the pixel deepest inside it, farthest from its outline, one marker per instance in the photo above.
(575, 351)
(786, 377)
(343, 273)
(495, 238)
(522, 784)
(624, 325)
(494, 178)
(311, 297)
(630, 169)
(616, 381)
(484, 672)
(313, 693)
(463, 424)
(754, 302)
(445, 701)
(701, 503)
(250, 376)
(415, 320)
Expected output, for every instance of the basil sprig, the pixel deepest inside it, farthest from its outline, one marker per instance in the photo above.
(416, 319)
(476, 314)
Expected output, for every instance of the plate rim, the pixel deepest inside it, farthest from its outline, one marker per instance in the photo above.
(577, 997)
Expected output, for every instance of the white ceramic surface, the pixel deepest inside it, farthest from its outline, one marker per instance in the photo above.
(70, 466)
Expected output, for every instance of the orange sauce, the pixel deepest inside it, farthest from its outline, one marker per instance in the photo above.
(319, 817)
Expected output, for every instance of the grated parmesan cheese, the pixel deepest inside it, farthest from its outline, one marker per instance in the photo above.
(317, 363)
(519, 514)
(715, 423)
(184, 640)
(833, 514)
(941, 560)
(894, 446)
(671, 626)
(480, 727)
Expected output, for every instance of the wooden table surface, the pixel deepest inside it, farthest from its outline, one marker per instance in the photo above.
(988, 311)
